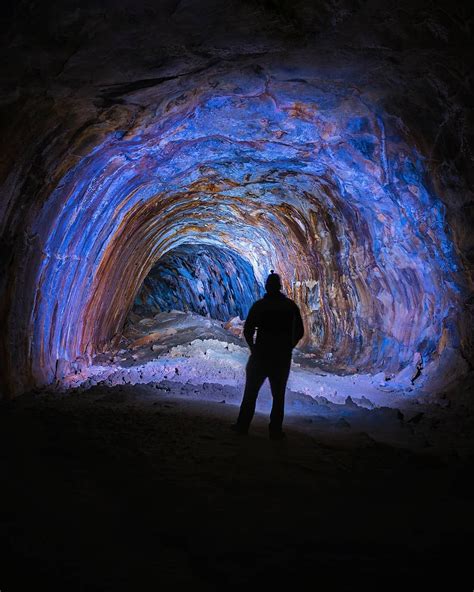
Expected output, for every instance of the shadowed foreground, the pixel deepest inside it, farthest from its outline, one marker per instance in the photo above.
(133, 488)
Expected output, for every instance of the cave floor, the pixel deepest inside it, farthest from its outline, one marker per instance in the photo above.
(135, 487)
(190, 348)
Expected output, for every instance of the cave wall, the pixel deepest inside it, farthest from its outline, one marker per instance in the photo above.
(331, 144)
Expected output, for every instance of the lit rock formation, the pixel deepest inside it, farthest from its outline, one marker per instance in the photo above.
(155, 130)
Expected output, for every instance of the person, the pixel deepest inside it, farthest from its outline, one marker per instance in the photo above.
(279, 328)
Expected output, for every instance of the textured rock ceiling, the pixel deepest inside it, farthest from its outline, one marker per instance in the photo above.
(331, 143)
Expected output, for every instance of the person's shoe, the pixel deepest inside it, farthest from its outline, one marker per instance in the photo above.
(277, 435)
(235, 427)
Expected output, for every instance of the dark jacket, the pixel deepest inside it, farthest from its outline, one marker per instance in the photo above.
(278, 323)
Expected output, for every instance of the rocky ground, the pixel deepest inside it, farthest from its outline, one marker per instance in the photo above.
(192, 349)
(138, 484)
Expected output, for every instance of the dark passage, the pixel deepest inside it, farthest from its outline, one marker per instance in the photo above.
(204, 279)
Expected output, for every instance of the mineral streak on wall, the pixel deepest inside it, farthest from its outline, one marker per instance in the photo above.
(281, 159)
(204, 279)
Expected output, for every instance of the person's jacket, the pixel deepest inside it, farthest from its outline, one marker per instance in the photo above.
(278, 323)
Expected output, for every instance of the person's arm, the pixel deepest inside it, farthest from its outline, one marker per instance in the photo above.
(250, 326)
(298, 327)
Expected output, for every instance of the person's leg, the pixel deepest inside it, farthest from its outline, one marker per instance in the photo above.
(255, 376)
(278, 377)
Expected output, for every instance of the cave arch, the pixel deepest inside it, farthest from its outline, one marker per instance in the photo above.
(282, 165)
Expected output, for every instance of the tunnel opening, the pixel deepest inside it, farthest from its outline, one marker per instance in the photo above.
(210, 281)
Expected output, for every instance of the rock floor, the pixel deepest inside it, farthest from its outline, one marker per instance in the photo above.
(138, 487)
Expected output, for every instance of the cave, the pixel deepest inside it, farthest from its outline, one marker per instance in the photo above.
(160, 160)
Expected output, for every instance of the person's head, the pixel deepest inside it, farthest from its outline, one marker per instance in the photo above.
(273, 283)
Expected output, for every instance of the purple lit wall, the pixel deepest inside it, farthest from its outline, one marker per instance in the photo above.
(286, 161)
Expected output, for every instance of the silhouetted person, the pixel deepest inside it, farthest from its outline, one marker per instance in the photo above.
(279, 328)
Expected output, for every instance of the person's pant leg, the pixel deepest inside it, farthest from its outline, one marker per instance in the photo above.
(278, 378)
(255, 377)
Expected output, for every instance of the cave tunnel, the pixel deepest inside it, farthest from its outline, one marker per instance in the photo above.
(287, 165)
(159, 160)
